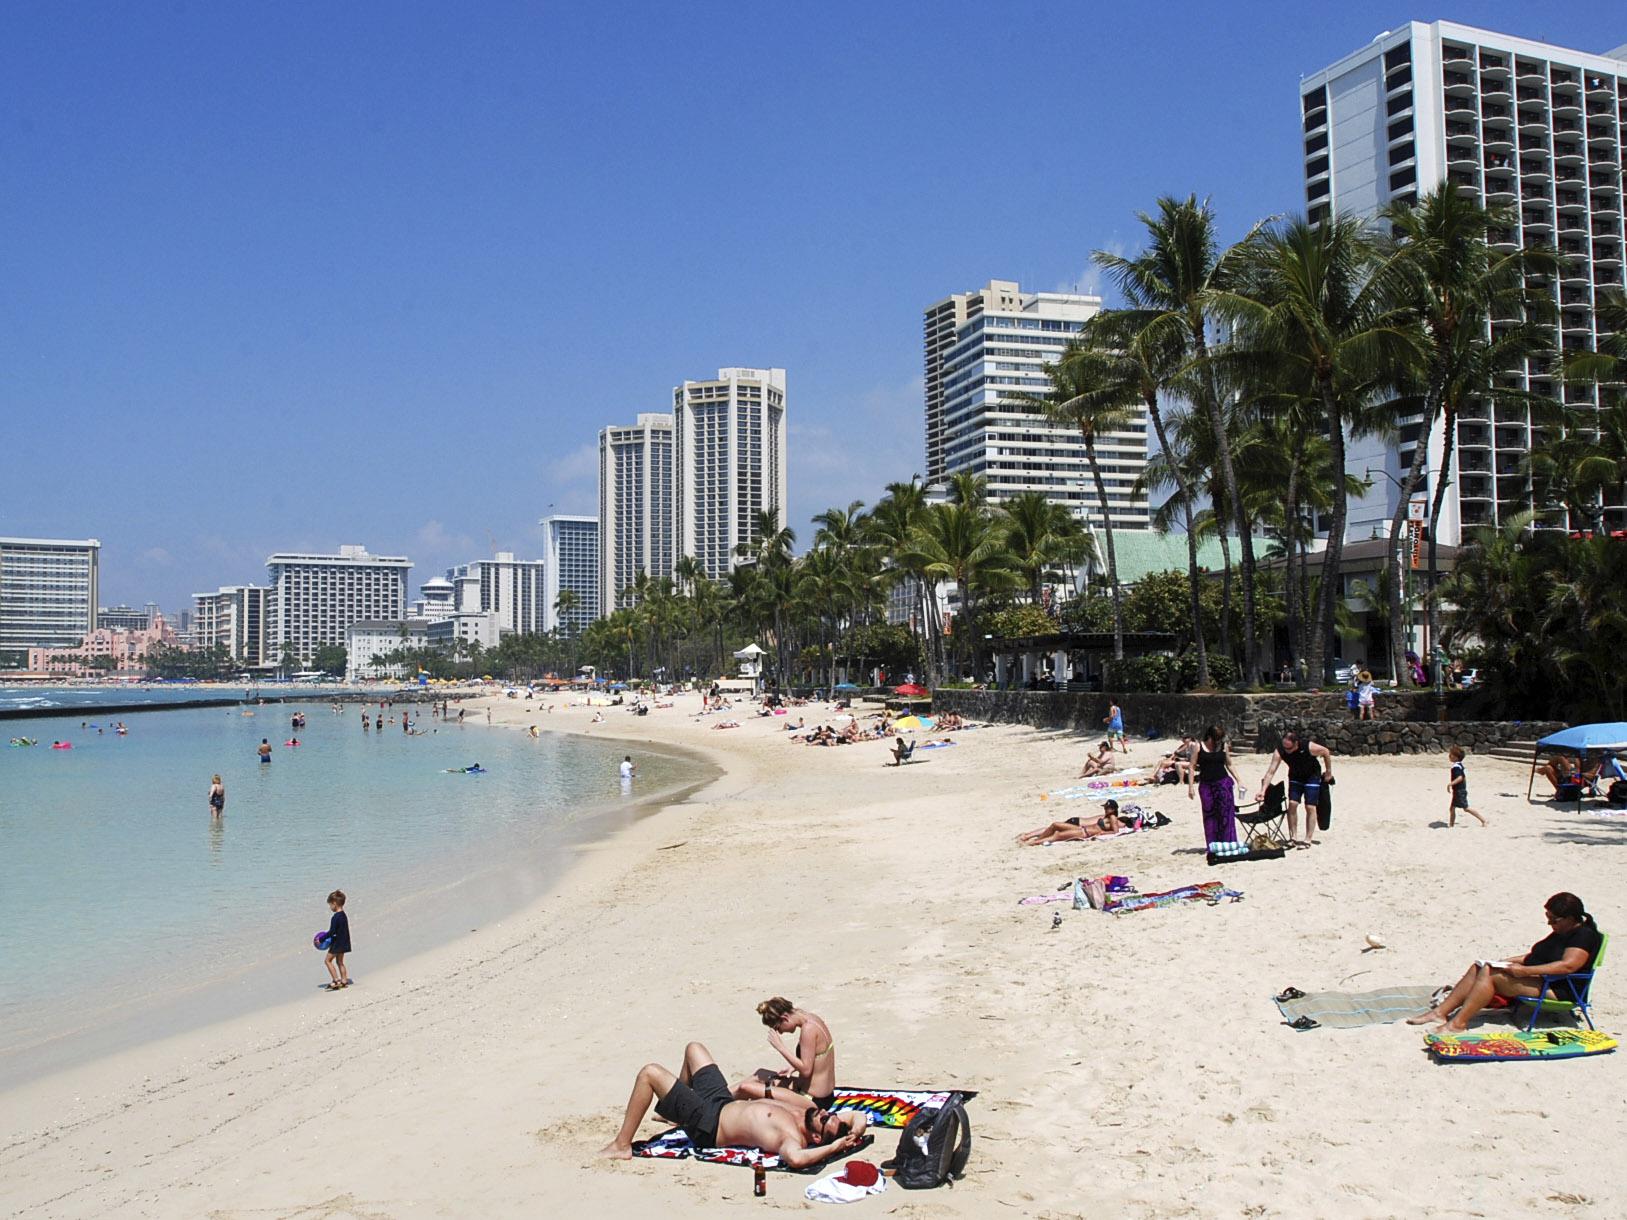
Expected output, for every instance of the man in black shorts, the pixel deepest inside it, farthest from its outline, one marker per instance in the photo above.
(698, 1100)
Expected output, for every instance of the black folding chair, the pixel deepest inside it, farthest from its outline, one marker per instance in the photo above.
(1268, 821)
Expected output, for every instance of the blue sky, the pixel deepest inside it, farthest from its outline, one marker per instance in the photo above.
(285, 276)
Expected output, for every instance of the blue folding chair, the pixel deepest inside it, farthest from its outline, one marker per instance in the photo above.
(1578, 985)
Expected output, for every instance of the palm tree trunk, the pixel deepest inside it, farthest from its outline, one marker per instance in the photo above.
(1223, 534)
(1400, 624)
(1182, 490)
(1112, 555)
(1332, 558)
(1290, 537)
(1431, 604)
(1228, 481)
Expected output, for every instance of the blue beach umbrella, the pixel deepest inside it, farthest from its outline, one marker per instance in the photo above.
(844, 686)
(1581, 738)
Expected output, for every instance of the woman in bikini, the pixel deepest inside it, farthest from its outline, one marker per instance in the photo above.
(813, 1063)
(1075, 829)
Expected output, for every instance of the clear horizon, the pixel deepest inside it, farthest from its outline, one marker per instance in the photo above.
(288, 280)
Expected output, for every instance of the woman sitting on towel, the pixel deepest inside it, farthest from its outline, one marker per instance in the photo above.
(813, 1063)
(1571, 945)
(1075, 829)
(1101, 762)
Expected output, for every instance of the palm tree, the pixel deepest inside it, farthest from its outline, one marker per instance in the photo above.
(889, 532)
(1319, 303)
(1041, 536)
(1151, 357)
(1457, 286)
(769, 552)
(964, 544)
(567, 604)
(1172, 286)
(1090, 392)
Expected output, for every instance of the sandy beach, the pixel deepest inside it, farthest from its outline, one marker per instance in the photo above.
(1130, 1065)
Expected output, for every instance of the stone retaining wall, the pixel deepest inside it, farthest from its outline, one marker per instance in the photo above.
(1412, 722)
(1403, 737)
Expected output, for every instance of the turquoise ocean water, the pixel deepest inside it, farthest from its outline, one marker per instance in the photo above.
(126, 913)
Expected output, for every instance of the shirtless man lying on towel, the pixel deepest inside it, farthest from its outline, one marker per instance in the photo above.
(698, 1099)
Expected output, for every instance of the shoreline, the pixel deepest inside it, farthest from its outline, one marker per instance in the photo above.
(428, 914)
(1136, 1061)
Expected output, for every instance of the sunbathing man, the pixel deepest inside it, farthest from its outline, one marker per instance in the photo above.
(698, 1099)
(1101, 762)
(1075, 829)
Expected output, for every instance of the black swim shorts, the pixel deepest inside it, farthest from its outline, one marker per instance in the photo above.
(695, 1106)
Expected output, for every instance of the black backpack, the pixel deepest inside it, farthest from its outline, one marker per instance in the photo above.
(934, 1147)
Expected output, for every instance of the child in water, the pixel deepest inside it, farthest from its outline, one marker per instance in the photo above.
(338, 942)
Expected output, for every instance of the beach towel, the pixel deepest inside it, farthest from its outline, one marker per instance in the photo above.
(890, 1108)
(937, 745)
(894, 1108)
(1354, 1009)
(1210, 892)
(674, 1145)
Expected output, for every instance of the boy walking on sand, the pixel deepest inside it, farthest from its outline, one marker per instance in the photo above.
(338, 942)
(1458, 786)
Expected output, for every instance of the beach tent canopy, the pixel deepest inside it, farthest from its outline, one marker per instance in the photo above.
(749, 651)
(1588, 737)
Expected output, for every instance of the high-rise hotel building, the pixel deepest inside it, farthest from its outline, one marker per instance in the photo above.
(315, 598)
(570, 561)
(233, 617)
(983, 347)
(1533, 128)
(636, 508)
(729, 462)
(48, 592)
(510, 588)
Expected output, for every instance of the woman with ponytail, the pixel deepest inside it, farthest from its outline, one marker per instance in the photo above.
(1572, 943)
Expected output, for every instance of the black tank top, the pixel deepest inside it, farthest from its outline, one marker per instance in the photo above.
(1302, 764)
(1211, 765)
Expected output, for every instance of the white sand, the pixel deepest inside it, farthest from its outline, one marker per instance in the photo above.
(1130, 1066)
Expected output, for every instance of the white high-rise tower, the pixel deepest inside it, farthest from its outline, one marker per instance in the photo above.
(1522, 125)
(635, 506)
(729, 448)
(982, 348)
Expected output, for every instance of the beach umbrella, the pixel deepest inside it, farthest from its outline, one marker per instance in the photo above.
(1609, 736)
(844, 686)
(913, 722)
(910, 688)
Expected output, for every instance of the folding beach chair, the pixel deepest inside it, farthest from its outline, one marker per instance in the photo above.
(1575, 986)
(1269, 820)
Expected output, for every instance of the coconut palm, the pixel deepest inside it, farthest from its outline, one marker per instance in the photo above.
(961, 543)
(1457, 285)
(1042, 536)
(1172, 285)
(1320, 301)
(1152, 357)
(1095, 394)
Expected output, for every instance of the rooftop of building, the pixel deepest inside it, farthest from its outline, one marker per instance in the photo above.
(55, 542)
(1609, 61)
(346, 554)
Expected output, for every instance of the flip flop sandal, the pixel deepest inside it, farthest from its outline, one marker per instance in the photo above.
(1303, 1023)
(1290, 993)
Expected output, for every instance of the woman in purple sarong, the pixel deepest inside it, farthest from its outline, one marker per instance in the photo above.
(1215, 782)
